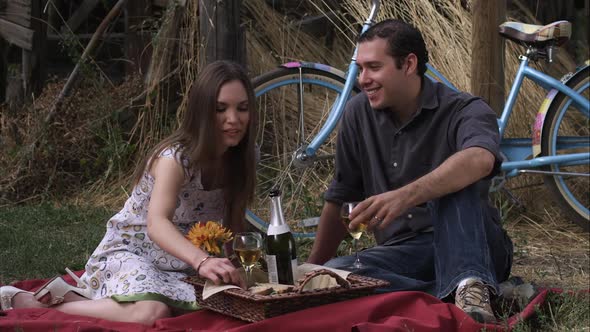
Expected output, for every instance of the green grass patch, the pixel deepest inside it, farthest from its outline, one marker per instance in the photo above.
(40, 241)
(561, 312)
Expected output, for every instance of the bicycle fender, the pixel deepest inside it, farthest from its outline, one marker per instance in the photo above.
(317, 66)
(542, 112)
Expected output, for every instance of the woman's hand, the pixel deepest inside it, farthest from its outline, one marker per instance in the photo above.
(220, 270)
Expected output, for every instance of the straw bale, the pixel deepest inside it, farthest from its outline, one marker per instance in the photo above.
(274, 39)
(152, 124)
(80, 146)
(446, 27)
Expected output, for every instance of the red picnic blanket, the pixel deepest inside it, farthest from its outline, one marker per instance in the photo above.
(399, 311)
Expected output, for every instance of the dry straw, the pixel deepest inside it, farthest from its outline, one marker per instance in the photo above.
(446, 27)
(272, 39)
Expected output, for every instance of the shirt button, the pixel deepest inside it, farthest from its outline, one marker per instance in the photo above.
(394, 164)
(410, 216)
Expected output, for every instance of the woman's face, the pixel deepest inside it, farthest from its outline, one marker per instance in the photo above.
(232, 113)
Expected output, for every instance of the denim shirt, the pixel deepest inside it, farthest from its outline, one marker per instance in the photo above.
(375, 155)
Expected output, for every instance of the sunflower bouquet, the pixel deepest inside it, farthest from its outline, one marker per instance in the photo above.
(209, 236)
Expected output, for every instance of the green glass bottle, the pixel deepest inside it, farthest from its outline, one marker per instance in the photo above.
(281, 253)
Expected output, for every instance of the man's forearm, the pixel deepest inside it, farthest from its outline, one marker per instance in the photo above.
(328, 236)
(457, 172)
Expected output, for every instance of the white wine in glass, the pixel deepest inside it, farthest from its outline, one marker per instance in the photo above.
(248, 247)
(248, 257)
(356, 234)
(345, 210)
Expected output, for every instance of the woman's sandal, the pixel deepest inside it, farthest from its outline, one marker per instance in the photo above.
(58, 288)
(7, 293)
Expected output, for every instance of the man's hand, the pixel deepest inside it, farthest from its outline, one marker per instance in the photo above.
(378, 211)
(458, 171)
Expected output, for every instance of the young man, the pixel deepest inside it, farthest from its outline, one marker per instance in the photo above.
(419, 156)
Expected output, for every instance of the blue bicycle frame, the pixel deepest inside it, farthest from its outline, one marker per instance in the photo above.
(519, 157)
(338, 107)
(517, 150)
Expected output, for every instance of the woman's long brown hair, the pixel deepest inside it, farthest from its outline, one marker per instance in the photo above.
(197, 134)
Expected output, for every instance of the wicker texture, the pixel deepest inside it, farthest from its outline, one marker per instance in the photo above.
(255, 307)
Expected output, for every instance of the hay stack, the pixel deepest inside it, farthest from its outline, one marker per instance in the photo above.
(272, 39)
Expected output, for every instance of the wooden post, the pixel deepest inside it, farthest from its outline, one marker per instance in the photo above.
(221, 34)
(487, 52)
(53, 16)
(34, 60)
(79, 16)
(137, 42)
(4, 47)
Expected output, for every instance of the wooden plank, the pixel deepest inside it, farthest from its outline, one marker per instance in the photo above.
(53, 15)
(222, 35)
(36, 80)
(16, 34)
(166, 3)
(487, 52)
(160, 3)
(27, 59)
(80, 15)
(17, 11)
(4, 46)
(138, 47)
(86, 36)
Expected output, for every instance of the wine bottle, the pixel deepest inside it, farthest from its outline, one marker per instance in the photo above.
(281, 254)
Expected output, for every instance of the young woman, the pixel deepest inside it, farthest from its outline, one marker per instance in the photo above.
(204, 171)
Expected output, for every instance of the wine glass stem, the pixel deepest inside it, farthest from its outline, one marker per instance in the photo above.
(248, 270)
(356, 252)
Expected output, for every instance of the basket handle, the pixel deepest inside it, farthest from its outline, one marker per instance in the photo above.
(312, 274)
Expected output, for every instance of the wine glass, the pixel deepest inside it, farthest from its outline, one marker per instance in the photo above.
(345, 210)
(248, 247)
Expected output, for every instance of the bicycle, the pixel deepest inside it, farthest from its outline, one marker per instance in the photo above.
(560, 143)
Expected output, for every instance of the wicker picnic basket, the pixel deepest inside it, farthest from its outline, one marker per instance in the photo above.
(254, 307)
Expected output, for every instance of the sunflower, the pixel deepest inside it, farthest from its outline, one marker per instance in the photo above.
(209, 236)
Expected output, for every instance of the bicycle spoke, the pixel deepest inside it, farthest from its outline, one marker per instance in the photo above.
(569, 133)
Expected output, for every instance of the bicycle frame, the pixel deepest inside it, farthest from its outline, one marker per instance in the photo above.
(307, 153)
(518, 150)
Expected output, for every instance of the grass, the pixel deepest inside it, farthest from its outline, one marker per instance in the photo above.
(560, 312)
(38, 241)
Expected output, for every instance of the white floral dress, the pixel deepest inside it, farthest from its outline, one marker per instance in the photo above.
(128, 266)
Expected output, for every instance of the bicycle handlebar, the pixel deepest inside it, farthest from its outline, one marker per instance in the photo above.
(375, 4)
(307, 154)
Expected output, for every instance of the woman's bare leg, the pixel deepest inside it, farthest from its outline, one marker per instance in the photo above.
(144, 312)
(26, 300)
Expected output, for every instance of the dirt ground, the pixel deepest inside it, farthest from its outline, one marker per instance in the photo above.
(549, 251)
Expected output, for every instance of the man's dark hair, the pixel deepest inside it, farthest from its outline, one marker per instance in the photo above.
(402, 39)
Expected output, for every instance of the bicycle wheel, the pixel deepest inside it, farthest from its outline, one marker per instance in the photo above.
(566, 130)
(293, 103)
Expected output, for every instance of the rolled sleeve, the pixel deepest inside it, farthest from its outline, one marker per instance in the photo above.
(476, 125)
(347, 183)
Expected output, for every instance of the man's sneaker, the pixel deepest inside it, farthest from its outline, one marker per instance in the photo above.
(474, 299)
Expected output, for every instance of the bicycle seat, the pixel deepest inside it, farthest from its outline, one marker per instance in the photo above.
(537, 35)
